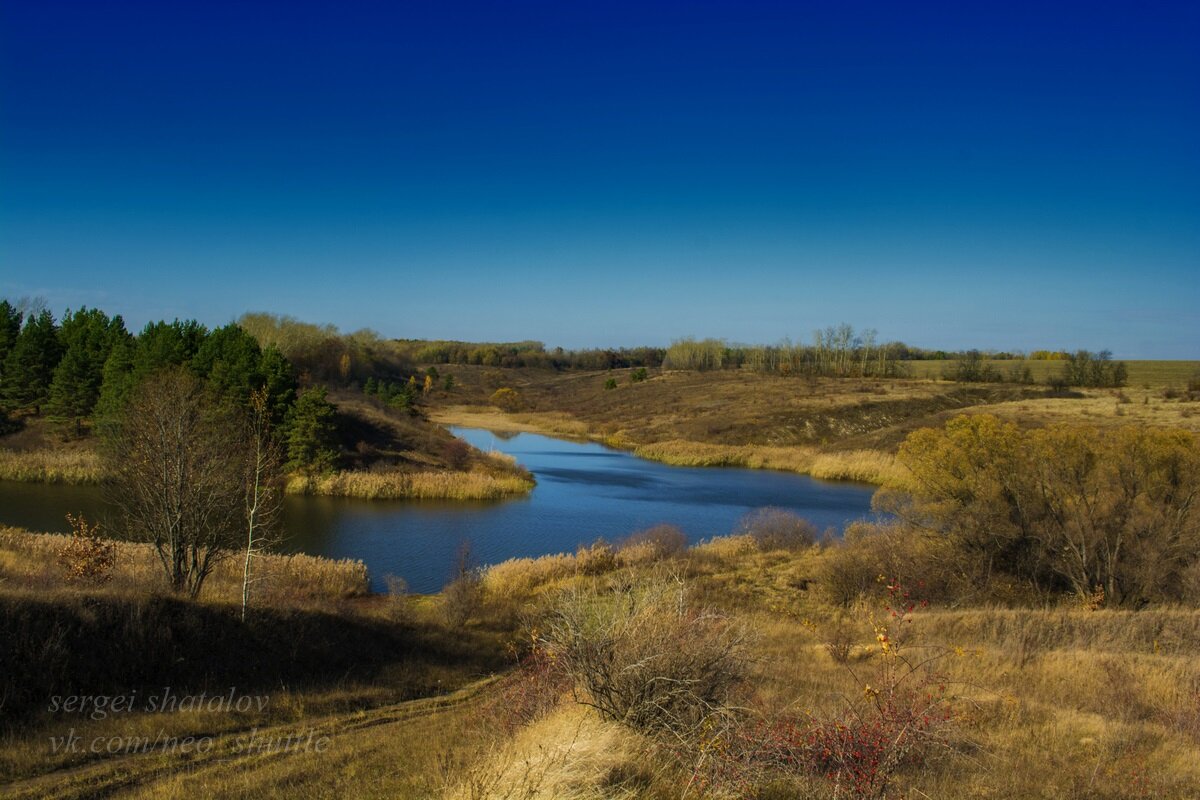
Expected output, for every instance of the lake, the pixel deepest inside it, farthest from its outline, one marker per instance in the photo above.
(584, 491)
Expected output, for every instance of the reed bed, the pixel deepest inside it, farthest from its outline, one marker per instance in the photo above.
(401, 485)
(29, 560)
(50, 466)
(869, 466)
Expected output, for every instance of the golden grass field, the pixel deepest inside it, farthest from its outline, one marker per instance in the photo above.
(1046, 697)
(846, 429)
(1060, 702)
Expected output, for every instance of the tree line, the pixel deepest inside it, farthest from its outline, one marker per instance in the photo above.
(531, 354)
(841, 352)
(837, 351)
(86, 367)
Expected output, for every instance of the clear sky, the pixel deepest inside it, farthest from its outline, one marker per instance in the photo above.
(963, 174)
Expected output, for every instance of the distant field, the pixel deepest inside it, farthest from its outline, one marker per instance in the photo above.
(1141, 373)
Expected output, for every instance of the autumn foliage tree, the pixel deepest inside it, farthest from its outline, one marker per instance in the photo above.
(1067, 506)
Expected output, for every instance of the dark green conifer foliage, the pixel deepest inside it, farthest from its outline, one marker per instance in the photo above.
(87, 337)
(29, 366)
(10, 329)
(311, 432)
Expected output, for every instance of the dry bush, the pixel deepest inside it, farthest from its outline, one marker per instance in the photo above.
(519, 577)
(777, 529)
(642, 656)
(397, 598)
(456, 453)
(462, 597)
(507, 399)
(86, 556)
(847, 573)
(840, 639)
(595, 559)
(852, 569)
(652, 544)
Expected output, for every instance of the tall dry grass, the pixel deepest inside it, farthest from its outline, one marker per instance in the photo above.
(404, 485)
(50, 466)
(868, 466)
(29, 561)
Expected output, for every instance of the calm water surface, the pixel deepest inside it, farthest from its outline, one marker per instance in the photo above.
(584, 491)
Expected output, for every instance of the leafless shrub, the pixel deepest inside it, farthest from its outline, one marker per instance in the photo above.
(642, 656)
(463, 597)
(840, 638)
(777, 529)
(456, 453)
(659, 541)
(397, 598)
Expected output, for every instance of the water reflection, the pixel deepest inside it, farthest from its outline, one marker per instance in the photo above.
(584, 492)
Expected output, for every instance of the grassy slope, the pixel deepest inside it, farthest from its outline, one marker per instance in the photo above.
(386, 453)
(829, 428)
(1087, 703)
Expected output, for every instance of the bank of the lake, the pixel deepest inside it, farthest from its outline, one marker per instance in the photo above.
(861, 465)
(584, 491)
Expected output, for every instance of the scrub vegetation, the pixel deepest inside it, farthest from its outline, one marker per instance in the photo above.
(1030, 599)
(772, 662)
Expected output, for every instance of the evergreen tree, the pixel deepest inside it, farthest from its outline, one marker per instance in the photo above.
(229, 362)
(311, 433)
(117, 381)
(87, 337)
(166, 344)
(279, 379)
(10, 328)
(30, 364)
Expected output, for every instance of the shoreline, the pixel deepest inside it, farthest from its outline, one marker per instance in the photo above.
(81, 467)
(859, 466)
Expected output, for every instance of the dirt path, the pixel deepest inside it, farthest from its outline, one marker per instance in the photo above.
(105, 777)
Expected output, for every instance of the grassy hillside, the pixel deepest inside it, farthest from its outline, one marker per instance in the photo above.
(833, 428)
(1089, 702)
(384, 453)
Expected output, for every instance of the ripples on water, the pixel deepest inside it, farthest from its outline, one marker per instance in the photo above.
(584, 492)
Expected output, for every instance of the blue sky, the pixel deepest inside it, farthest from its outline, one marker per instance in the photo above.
(590, 174)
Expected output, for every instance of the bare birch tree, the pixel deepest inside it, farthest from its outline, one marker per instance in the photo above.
(263, 488)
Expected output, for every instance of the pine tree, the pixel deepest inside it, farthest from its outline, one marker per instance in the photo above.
(30, 364)
(279, 379)
(311, 433)
(166, 344)
(10, 328)
(117, 381)
(88, 337)
(229, 362)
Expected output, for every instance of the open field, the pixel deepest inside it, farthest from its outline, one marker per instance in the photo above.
(1090, 703)
(830, 428)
